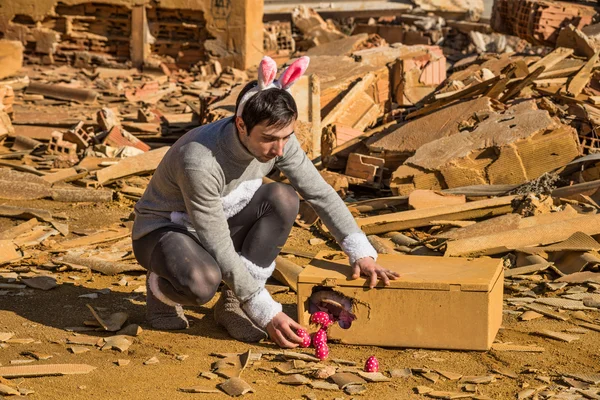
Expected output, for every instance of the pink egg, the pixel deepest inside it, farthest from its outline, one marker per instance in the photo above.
(372, 365)
(322, 351)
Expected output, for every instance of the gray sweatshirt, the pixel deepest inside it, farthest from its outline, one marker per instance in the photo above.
(210, 176)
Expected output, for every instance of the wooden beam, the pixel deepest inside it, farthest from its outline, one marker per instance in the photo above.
(139, 46)
(417, 218)
(551, 59)
(526, 237)
(460, 94)
(581, 79)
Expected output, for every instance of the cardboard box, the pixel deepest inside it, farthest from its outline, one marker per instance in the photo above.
(438, 302)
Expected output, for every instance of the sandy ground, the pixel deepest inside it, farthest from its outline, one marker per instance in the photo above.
(44, 316)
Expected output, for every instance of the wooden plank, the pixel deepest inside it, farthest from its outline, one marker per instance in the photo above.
(139, 164)
(517, 348)
(417, 218)
(30, 371)
(532, 236)
(64, 175)
(573, 190)
(579, 81)
(552, 58)
(97, 238)
(139, 24)
(546, 312)
(15, 231)
(461, 94)
(25, 213)
(515, 90)
(287, 272)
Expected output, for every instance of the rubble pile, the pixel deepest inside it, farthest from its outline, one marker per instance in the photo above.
(444, 136)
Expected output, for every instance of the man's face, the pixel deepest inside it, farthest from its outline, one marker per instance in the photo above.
(264, 142)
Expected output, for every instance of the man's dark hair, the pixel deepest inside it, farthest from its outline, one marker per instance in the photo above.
(276, 106)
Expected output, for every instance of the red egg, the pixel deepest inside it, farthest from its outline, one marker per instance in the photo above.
(372, 365)
(322, 351)
(320, 318)
(320, 337)
(305, 338)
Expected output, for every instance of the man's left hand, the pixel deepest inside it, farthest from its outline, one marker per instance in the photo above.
(369, 268)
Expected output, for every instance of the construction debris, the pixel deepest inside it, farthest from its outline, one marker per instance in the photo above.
(443, 134)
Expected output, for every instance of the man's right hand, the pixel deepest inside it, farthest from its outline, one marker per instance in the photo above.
(282, 330)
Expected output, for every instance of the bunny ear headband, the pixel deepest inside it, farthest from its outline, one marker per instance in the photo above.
(267, 69)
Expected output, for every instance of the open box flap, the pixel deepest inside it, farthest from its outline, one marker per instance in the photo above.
(416, 272)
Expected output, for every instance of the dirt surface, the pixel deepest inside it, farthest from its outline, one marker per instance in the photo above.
(45, 315)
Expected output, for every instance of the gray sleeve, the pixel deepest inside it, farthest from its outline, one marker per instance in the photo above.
(327, 203)
(200, 190)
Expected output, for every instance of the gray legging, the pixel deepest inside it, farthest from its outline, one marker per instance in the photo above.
(189, 275)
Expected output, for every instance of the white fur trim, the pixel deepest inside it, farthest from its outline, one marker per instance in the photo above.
(259, 273)
(239, 198)
(153, 284)
(262, 308)
(181, 218)
(357, 246)
(233, 203)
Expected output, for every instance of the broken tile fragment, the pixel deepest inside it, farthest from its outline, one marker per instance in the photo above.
(6, 390)
(478, 380)
(343, 379)
(592, 378)
(235, 387)
(295, 380)
(209, 375)
(423, 389)
(470, 388)
(131, 330)
(118, 342)
(122, 362)
(436, 394)
(26, 392)
(21, 361)
(38, 370)
(451, 376)
(324, 373)
(4, 336)
(198, 389)
(355, 389)
(506, 372)
(38, 356)
(401, 373)
(530, 315)
(20, 341)
(373, 376)
(525, 394)
(431, 376)
(78, 349)
(323, 385)
(84, 340)
(517, 348)
(41, 282)
(564, 337)
(89, 296)
(151, 361)
(113, 322)
(574, 383)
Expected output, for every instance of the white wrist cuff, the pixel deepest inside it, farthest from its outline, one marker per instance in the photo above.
(262, 308)
(259, 273)
(357, 246)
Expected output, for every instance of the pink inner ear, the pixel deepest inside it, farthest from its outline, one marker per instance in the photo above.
(267, 71)
(294, 72)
